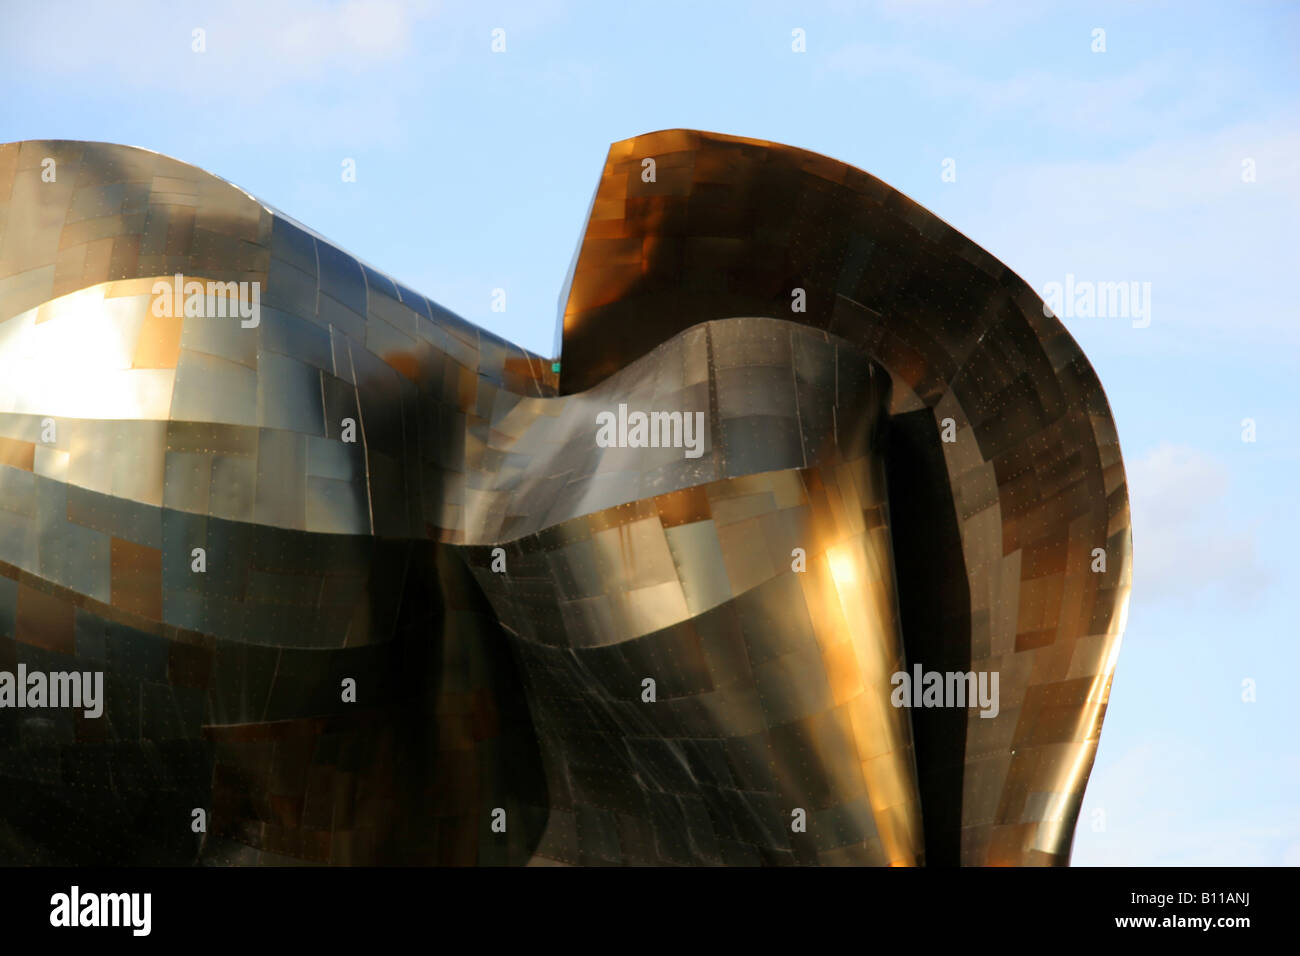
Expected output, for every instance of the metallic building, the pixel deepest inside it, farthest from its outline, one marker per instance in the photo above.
(366, 584)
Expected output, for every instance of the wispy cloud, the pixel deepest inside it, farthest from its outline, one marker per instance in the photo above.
(1161, 803)
(1181, 215)
(1155, 93)
(1184, 543)
(249, 47)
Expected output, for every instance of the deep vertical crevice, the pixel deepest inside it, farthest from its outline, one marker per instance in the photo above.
(934, 607)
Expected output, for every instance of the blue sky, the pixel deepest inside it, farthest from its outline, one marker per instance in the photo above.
(474, 171)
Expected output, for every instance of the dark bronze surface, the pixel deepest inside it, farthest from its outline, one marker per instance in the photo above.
(480, 689)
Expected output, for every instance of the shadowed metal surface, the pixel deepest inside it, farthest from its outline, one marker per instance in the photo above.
(520, 689)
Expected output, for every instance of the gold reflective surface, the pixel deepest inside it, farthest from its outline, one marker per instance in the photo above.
(386, 495)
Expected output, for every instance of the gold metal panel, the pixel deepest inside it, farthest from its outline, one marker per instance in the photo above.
(386, 493)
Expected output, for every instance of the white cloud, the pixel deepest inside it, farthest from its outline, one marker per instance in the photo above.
(1164, 805)
(1178, 215)
(938, 13)
(1183, 543)
(251, 45)
(354, 31)
(1156, 94)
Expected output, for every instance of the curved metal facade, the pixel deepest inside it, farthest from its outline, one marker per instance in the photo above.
(381, 493)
